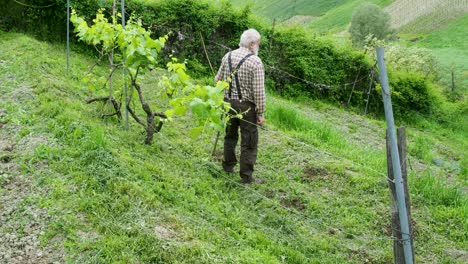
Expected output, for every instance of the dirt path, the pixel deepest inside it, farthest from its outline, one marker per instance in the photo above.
(22, 221)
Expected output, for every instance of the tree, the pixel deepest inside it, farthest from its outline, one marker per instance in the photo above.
(133, 49)
(369, 19)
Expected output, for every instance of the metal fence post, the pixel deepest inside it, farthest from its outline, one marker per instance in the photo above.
(400, 193)
(124, 69)
(68, 36)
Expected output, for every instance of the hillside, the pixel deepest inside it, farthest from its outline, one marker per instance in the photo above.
(424, 16)
(322, 15)
(283, 10)
(408, 16)
(439, 25)
(448, 44)
(76, 188)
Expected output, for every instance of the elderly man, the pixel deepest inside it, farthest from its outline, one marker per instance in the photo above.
(243, 69)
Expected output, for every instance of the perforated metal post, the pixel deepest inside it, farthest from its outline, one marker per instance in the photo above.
(68, 36)
(401, 203)
(124, 69)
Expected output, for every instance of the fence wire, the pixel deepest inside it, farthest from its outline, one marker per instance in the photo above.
(32, 6)
(208, 165)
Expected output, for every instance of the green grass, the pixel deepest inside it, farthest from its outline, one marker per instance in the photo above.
(445, 37)
(115, 200)
(328, 16)
(448, 45)
(451, 36)
(430, 23)
(438, 192)
(290, 8)
(337, 19)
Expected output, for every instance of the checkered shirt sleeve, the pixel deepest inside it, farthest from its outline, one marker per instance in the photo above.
(258, 88)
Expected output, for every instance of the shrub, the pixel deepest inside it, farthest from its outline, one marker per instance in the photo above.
(369, 19)
(412, 92)
(325, 67)
(410, 59)
(45, 19)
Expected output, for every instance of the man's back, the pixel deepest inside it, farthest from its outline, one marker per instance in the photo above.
(251, 77)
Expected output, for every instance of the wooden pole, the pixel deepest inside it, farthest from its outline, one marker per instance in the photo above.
(111, 55)
(271, 37)
(354, 86)
(453, 81)
(369, 90)
(206, 53)
(398, 252)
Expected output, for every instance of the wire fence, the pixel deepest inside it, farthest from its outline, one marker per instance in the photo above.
(276, 203)
(302, 143)
(211, 167)
(320, 86)
(33, 6)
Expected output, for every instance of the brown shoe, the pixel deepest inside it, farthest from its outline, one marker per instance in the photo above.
(252, 180)
(259, 181)
(229, 171)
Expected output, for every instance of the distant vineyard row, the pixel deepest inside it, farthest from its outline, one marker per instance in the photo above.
(417, 16)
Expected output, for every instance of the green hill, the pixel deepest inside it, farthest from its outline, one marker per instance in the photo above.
(289, 8)
(448, 44)
(333, 16)
(325, 15)
(76, 188)
(422, 16)
(439, 25)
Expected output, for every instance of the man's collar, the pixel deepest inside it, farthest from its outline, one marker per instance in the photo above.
(245, 49)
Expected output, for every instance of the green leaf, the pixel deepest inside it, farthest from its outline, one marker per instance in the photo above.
(196, 131)
(180, 110)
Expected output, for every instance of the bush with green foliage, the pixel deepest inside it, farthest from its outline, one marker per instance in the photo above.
(326, 67)
(369, 19)
(295, 64)
(410, 59)
(45, 19)
(412, 72)
(132, 48)
(412, 92)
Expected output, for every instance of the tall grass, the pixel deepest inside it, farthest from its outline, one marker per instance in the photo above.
(288, 118)
(436, 191)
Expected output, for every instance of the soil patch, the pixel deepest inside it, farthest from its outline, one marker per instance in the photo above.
(311, 173)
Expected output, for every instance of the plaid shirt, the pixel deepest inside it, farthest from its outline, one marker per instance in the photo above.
(251, 78)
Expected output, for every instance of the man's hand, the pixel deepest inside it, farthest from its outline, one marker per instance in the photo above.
(260, 120)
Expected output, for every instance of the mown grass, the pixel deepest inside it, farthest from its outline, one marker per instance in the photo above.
(115, 200)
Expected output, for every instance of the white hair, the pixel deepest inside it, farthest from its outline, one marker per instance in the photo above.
(249, 36)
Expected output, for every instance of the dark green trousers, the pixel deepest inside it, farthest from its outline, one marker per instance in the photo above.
(249, 140)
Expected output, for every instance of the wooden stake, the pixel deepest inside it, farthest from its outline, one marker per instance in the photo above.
(396, 229)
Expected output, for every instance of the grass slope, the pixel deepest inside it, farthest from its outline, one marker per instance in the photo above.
(286, 9)
(328, 15)
(441, 23)
(448, 44)
(337, 19)
(419, 16)
(112, 199)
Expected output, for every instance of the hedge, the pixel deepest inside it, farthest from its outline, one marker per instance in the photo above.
(286, 53)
